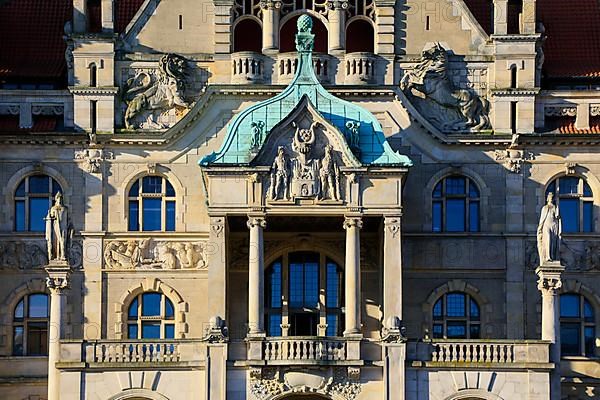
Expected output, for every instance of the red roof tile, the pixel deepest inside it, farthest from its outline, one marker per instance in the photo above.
(567, 125)
(124, 12)
(32, 44)
(41, 123)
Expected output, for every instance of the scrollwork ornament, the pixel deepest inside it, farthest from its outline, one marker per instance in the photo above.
(353, 222)
(217, 226)
(393, 226)
(549, 285)
(57, 284)
(256, 222)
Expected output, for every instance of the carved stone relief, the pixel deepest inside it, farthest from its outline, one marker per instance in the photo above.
(151, 254)
(514, 159)
(432, 91)
(92, 159)
(574, 255)
(33, 254)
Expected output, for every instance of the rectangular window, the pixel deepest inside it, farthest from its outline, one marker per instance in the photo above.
(18, 341)
(437, 216)
(134, 215)
(588, 216)
(590, 339)
(455, 185)
(475, 332)
(569, 306)
(38, 306)
(151, 304)
(569, 185)
(311, 285)
(151, 330)
(169, 331)
(170, 217)
(455, 305)
(38, 209)
(332, 325)
(93, 115)
(132, 331)
(438, 331)
(274, 286)
(39, 184)
(474, 216)
(456, 329)
(569, 212)
(570, 334)
(274, 324)
(151, 218)
(152, 184)
(333, 286)
(37, 338)
(455, 215)
(513, 117)
(20, 215)
(296, 295)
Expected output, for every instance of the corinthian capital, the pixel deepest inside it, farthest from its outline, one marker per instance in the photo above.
(549, 285)
(270, 4)
(254, 222)
(353, 222)
(57, 284)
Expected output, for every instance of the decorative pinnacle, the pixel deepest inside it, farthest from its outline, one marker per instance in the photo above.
(304, 38)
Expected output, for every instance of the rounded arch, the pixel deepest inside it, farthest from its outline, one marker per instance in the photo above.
(138, 394)
(484, 194)
(287, 31)
(17, 178)
(304, 244)
(474, 394)
(575, 286)
(123, 193)
(151, 285)
(458, 285)
(247, 34)
(309, 395)
(360, 35)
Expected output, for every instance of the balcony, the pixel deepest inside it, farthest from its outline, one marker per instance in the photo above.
(359, 68)
(247, 67)
(309, 350)
(287, 63)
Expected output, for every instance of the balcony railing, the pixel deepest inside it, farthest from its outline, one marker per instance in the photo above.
(489, 352)
(133, 352)
(247, 67)
(287, 63)
(360, 68)
(304, 349)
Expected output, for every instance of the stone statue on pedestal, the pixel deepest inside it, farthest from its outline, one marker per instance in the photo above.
(549, 232)
(57, 230)
(280, 175)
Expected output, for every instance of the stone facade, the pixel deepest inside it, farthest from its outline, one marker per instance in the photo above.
(264, 162)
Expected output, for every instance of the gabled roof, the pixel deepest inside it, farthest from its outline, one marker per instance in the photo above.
(237, 145)
(125, 10)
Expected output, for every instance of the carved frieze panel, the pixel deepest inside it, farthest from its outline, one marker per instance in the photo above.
(33, 254)
(574, 255)
(148, 253)
(514, 159)
(92, 159)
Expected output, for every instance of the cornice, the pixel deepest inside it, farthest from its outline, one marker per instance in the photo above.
(95, 91)
(508, 92)
(516, 37)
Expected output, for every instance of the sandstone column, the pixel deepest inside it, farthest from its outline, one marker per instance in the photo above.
(57, 282)
(549, 283)
(352, 225)
(270, 25)
(256, 224)
(337, 24)
(217, 266)
(392, 275)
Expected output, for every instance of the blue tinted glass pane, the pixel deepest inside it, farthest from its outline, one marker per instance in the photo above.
(588, 216)
(20, 215)
(569, 339)
(455, 215)
(20, 192)
(135, 189)
(170, 217)
(19, 310)
(437, 192)
(169, 309)
(455, 185)
(133, 309)
(438, 331)
(311, 285)
(569, 212)
(587, 191)
(588, 311)
(274, 325)
(132, 331)
(169, 190)
(474, 216)
(455, 305)
(475, 332)
(38, 306)
(296, 285)
(332, 325)
(39, 184)
(473, 191)
(150, 330)
(38, 209)
(568, 185)
(437, 309)
(332, 298)
(569, 306)
(18, 341)
(437, 217)
(590, 341)
(169, 331)
(152, 184)
(134, 216)
(474, 310)
(151, 214)
(456, 330)
(151, 304)
(551, 188)
(55, 187)
(274, 286)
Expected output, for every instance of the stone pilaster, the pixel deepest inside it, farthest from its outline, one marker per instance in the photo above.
(352, 225)
(108, 23)
(549, 284)
(528, 20)
(256, 224)
(500, 17)
(336, 16)
(270, 25)
(392, 277)
(223, 22)
(58, 283)
(217, 266)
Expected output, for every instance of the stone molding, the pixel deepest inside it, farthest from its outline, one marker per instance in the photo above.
(549, 278)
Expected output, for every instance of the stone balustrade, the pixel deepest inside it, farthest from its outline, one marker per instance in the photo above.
(489, 352)
(287, 63)
(27, 106)
(359, 68)
(135, 351)
(247, 67)
(581, 106)
(304, 349)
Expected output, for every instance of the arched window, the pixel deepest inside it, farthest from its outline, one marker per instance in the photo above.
(577, 326)
(30, 325)
(33, 199)
(575, 203)
(513, 77)
(299, 304)
(360, 37)
(287, 34)
(456, 315)
(247, 36)
(93, 75)
(151, 315)
(455, 206)
(151, 205)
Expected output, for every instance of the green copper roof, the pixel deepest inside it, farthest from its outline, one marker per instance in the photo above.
(238, 147)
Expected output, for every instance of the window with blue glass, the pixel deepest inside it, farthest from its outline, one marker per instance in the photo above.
(311, 298)
(456, 315)
(151, 315)
(33, 199)
(30, 325)
(577, 326)
(575, 202)
(455, 205)
(151, 205)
